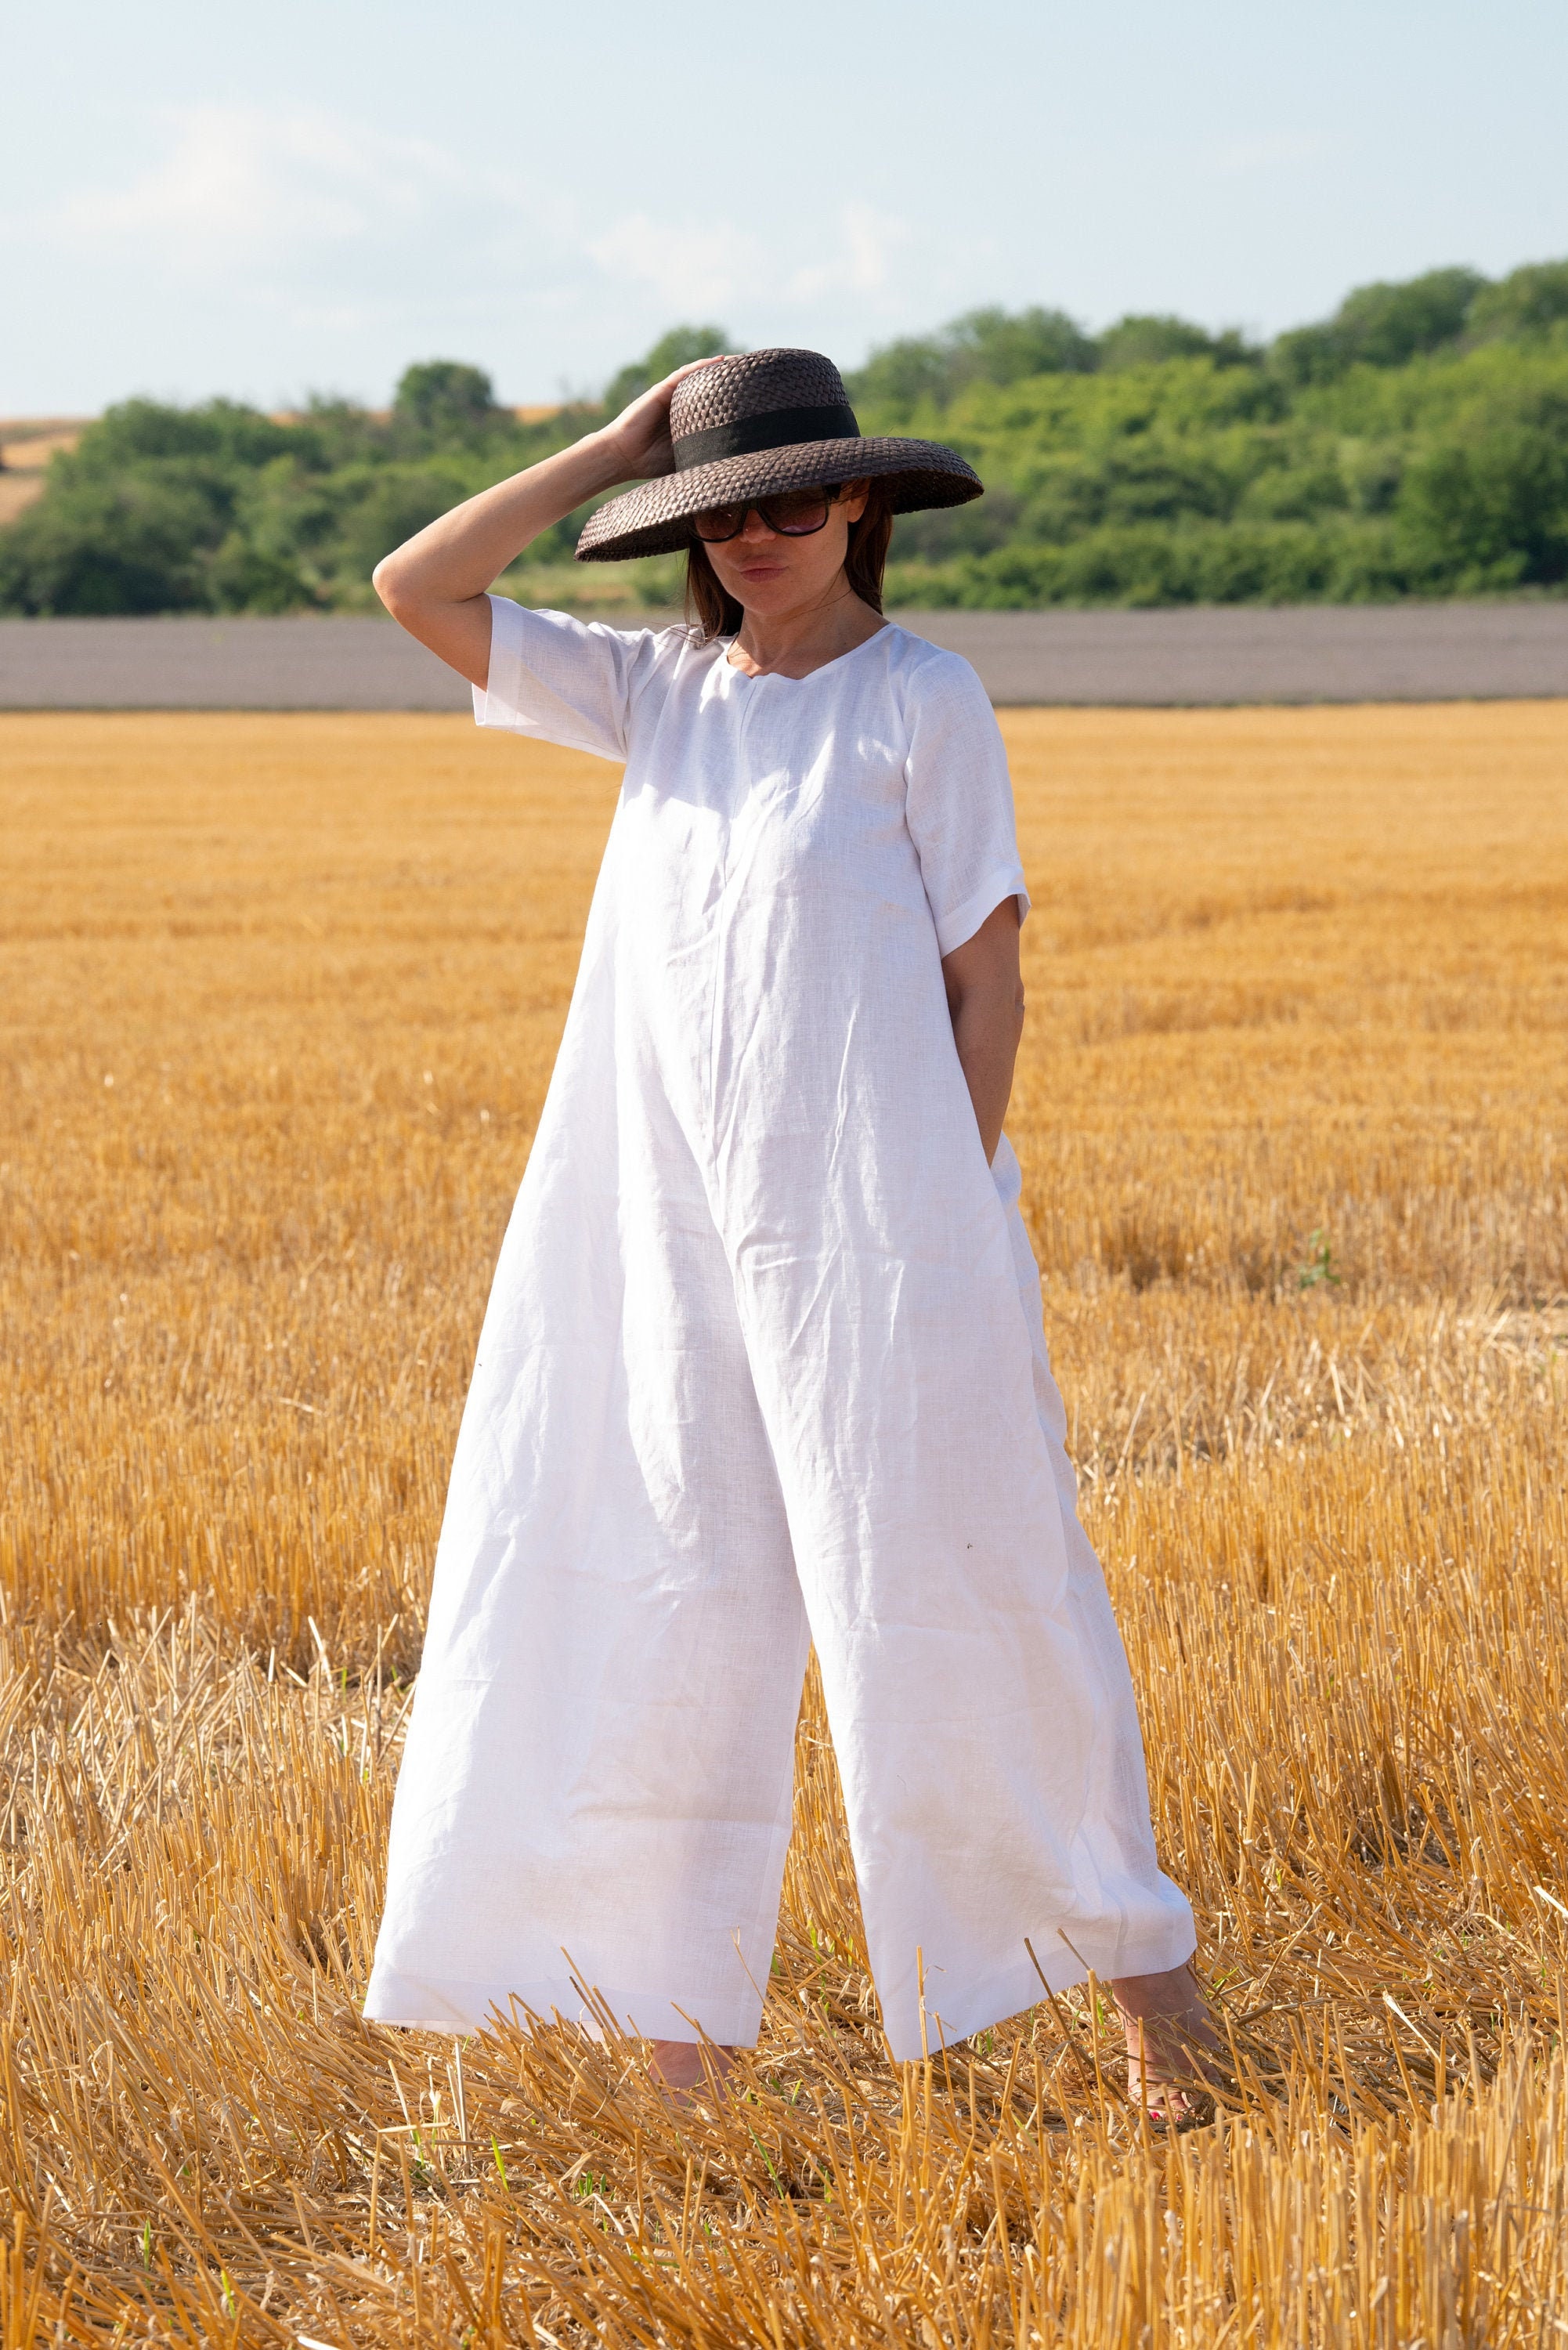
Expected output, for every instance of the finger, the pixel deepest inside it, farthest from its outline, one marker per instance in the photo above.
(691, 367)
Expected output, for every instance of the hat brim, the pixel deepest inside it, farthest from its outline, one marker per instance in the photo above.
(656, 517)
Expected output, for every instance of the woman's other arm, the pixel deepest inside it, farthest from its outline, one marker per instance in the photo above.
(985, 999)
(435, 584)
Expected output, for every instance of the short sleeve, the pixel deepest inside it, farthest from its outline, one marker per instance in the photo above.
(959, 807)
(562, 680)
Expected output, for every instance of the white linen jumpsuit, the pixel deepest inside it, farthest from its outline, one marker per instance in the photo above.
(763, 1364)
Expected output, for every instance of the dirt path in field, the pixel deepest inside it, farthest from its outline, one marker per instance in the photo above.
(1408, 652)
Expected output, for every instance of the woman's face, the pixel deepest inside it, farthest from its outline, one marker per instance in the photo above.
(767, 572)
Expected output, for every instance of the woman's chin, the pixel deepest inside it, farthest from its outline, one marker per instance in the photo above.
(751, 586)
(770, 591)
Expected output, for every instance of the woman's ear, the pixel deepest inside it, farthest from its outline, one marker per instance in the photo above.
(853, 497)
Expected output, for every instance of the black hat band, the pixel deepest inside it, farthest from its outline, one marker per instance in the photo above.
(778, 428)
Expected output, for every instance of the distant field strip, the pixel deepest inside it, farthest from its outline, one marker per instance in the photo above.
(279, 998)
(1217, 655)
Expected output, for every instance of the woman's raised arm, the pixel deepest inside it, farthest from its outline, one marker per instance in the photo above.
(435, 583)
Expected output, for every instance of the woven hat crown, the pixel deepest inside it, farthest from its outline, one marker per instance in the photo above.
(757, 426)
(753, 384)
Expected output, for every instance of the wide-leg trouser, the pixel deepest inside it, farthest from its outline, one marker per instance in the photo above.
(596, 1792)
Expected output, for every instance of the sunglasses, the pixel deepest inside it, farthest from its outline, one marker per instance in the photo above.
(793, 514)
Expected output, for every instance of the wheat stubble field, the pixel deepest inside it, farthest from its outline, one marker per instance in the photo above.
(280, 997)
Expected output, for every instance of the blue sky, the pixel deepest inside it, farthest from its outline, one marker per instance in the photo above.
(308, 194)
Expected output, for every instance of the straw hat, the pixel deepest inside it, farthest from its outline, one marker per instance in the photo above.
(752, 426)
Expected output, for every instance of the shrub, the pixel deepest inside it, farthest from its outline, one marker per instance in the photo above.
(139, 545)
(1381, 325)
(443, 400)
(1413, 442)
(1530, 301)
(1489, 513)
(1150, 341)
(983, 346)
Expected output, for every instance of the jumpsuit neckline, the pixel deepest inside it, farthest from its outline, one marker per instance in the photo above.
(875, 638)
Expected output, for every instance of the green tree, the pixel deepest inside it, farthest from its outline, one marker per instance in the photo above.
(1529, 301)
(990, 347)
(220, 432)
(341, 432)
(1149, 341)
(1382, 326)
(677, 349)
(1490, 510)
(243, 577)
(1385, 326)
(144, 516)
(140, 544)
(444, 399)
(983, 346)
(1416, 442)
(383, 505)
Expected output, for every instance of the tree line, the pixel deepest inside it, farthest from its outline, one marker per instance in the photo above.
(1414, 444)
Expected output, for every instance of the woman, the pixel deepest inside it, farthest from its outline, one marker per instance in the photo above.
(764, 1363)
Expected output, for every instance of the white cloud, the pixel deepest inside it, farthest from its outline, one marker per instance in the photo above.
(691, 269)
(242, 182)
(870, 241)
(334, 223)
(688, 268)
(288, 247)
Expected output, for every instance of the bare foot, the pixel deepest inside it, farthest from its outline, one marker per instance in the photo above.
(679, 2065)
(1170, 2034)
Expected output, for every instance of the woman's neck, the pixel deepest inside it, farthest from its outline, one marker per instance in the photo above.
(794, 643)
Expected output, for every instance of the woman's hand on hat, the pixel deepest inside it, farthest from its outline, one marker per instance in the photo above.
(639, 435)
(435, 583)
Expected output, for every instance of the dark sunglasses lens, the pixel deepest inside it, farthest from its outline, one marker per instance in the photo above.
(795, 512)
(715, 523)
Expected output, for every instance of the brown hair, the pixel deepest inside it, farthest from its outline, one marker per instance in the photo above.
(713, 613)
